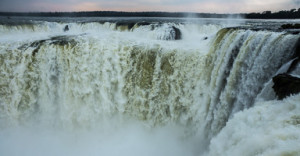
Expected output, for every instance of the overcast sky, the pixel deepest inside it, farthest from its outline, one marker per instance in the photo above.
(208, 6)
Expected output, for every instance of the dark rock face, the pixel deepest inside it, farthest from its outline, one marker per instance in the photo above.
(63, 40)
(125, 24)
(177, 33)
(66, 28)
(285, 85)
(143, 23)
(294, 65)
(297, 49)
(171, 33)
(290, 26)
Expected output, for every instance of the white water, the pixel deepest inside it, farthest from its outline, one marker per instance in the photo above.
(107, 90)
(272, 128)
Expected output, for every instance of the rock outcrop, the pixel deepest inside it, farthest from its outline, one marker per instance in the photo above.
(124, 25)
(66, 28)
(294, 65)
(170, 33)
(177, 33)
(290, 26)
(285, 85)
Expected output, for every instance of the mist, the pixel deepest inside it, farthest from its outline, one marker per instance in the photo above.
(131, 139)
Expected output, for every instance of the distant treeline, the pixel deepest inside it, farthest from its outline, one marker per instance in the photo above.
(115, 14)
(286, 14)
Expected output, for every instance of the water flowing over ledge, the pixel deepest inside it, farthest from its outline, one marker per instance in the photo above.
(97, 77)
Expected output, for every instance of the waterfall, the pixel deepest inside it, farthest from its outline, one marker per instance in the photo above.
(97, 73)
(242, 61)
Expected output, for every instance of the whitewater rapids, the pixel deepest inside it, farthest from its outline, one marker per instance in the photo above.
(145, 88)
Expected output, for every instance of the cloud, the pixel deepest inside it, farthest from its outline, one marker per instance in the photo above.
(86, 6)
(218, 6)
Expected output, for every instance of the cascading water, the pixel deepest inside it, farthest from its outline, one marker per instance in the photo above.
(242, 62)
(102, 77)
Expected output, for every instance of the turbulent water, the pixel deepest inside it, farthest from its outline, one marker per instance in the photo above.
(146, 87)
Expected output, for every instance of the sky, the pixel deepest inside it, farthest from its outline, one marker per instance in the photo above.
(206, 6)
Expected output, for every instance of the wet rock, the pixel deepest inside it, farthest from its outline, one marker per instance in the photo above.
(296, 61)
(177, 33)
(286, 85)
(171, 33)
(143, 23)
(297, 49)
(294, 65)
(290, 26)
(63, 40)
(66, 28)
(124, 25)
(37, 43)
